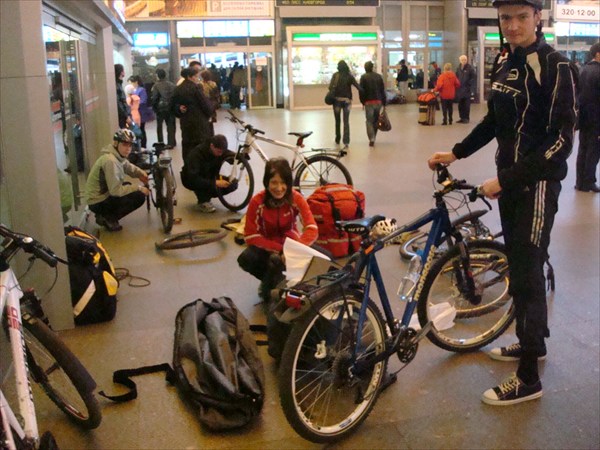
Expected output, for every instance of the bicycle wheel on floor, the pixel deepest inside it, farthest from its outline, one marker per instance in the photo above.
(238, 171)
(319, 171)
(321, 399)
(165, 188)
(191, 238)
(60, 374)
(458, 325)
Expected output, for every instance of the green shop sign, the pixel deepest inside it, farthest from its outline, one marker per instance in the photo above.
(316, 37)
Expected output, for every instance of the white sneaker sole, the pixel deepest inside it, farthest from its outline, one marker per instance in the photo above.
(499, 357)
(497, 402)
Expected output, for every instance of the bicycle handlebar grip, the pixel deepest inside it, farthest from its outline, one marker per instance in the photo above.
(44, 253)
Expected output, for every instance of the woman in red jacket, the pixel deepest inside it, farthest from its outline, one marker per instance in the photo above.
(271, 218)
(446, 85)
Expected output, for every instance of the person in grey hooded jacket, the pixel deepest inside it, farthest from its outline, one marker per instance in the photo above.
(109, 196)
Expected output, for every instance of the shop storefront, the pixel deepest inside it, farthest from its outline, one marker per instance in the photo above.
(312, 57)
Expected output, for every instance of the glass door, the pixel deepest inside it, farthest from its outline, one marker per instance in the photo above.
(66, 114)
(260, 71)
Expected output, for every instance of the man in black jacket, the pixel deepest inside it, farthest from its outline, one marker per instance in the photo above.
(200, 172)
(466, 76)
(372, 96)
(402, 77)
(589, 123)
(532, 114)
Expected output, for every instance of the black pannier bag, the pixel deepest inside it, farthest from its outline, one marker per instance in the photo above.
(216, 365)
(92, 277)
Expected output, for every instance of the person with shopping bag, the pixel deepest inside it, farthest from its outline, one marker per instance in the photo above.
(372, 96)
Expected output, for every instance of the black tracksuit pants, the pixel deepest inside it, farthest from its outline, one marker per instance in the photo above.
(527, 218)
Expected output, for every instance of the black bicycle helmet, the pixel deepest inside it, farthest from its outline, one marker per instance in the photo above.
(124, 135)
(537, 4)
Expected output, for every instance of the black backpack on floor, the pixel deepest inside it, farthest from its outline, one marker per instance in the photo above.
(216, 365)
(92, 277)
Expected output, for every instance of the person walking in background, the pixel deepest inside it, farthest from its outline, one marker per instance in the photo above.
(161, 96)
(108, 194)
(402, 77)
(238, 81)
(446, 85)
(133, 101)
(532, 114)
(213, 94)
(434, 73)
(123, 110)
(588, 153)
(372, 96)
(341, 85)
(193, 109)
(466, 76)
(145, 108)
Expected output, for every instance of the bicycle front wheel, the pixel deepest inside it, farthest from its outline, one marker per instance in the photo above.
(60, 374)
(458, 325)
(238, 195)
(320, 170)
(320, 396)
(165, 188)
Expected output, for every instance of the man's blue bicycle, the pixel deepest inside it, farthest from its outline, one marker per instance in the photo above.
(334, 363)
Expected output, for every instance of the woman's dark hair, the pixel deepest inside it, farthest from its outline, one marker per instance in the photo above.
(119, 69)
(278, 166)
(205, 74)
(189, 72)
(343, 67)
(137, 79)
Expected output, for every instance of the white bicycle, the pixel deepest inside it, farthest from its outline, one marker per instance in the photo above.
(311, 168)
(38, 355)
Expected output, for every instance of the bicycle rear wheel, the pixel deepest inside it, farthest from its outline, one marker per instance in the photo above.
(458, 325)
(191, 238)
(319, 171)
(238, 197)
(322, 400)
(165, 187)
(60, 374)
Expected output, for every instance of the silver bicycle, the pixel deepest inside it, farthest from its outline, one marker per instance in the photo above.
(311, 168)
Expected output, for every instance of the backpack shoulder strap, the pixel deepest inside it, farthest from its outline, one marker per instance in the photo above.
(123, 377)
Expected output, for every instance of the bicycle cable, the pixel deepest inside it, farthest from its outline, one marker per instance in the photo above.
(122, 273)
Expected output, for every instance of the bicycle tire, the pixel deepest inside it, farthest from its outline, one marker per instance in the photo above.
(472, 326)
(305, 394)
(239, 198)
(164, 198)
(63, 378)
(328, 169)
(473, 230)
(191, 238)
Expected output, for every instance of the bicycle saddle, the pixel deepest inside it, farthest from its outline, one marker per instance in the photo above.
(359, 226)
(300, 134)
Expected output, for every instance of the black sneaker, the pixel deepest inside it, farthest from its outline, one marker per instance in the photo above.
(510, 353)
(110, 225)
(511, 391)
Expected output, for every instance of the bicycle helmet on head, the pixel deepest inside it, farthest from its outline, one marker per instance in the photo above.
(537, 4)
(124, 135)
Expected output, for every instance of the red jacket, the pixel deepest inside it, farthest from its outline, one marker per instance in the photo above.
(268, 227)
(446, 85)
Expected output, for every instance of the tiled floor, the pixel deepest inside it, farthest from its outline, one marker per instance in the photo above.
(435, 403)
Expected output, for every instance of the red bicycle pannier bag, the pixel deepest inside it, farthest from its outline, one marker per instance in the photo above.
(331, 203)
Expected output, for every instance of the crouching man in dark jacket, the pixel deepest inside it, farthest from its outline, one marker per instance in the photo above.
(200, 172)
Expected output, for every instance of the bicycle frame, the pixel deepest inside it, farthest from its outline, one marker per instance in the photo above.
(10, 294)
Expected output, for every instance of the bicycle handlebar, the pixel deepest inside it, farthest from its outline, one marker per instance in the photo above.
(451, 184)
(246, 126)
(30, 245)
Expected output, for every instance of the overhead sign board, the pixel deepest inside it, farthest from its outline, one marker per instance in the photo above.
(577, 11)
(327, 2)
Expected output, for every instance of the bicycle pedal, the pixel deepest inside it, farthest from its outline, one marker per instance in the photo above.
(177, 221)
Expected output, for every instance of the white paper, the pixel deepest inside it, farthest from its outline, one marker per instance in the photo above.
(297, 259)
